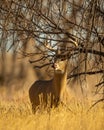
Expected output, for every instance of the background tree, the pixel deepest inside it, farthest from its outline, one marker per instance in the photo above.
(52, 23)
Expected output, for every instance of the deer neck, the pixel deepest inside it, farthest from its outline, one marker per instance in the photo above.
(59, 83)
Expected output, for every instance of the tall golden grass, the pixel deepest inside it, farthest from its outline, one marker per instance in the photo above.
(17, 115)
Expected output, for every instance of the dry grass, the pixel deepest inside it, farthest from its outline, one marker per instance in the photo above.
(17, 115)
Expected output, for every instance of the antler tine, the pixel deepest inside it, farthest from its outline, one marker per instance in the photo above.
(49, 47)
(75, 42)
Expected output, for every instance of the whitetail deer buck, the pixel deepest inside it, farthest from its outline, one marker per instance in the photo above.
(56, 88)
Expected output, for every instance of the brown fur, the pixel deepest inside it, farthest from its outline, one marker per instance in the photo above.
(55, 88)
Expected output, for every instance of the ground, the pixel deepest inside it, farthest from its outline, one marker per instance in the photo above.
(17, 115)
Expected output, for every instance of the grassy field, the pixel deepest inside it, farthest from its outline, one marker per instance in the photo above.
(17, 115)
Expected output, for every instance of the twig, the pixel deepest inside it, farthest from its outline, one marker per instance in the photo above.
(87, 73)
(100, 100)
(44, 65)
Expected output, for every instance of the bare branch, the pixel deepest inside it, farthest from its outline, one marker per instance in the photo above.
(100, 100)
(86, 73)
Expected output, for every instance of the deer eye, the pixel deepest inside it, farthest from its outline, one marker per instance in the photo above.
(62, 59)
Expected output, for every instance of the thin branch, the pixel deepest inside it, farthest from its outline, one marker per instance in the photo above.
(44, 65)
(86, 73)
(100, 100)
(99, 84)
(92, 51)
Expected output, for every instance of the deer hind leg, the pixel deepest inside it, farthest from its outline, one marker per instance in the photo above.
(35, 104)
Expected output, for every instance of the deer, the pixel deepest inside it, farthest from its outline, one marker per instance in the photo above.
(56, 88)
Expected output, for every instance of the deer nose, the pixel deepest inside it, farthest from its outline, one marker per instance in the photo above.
(54, 65)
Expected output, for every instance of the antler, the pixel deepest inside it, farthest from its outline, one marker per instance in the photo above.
(49, 47)
(74, 41)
